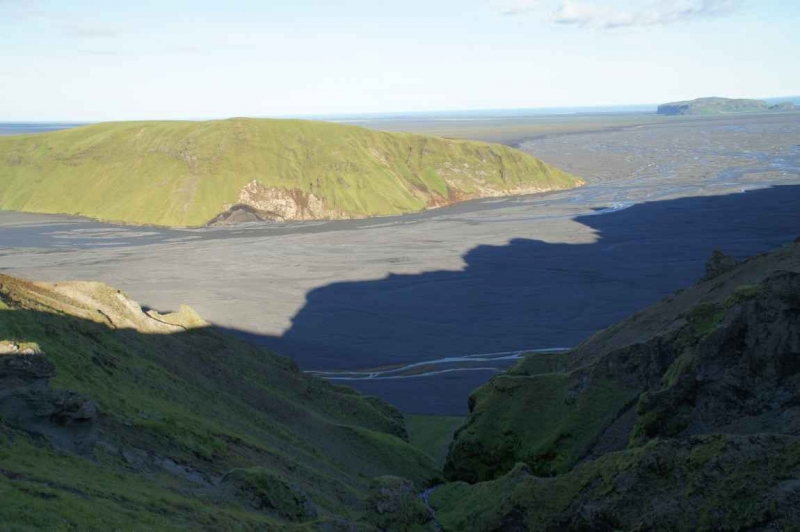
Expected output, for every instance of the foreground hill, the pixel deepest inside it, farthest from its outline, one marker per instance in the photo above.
(193, 173)
(715, 106)
(112, 418)
(683, 417)
(686, 416)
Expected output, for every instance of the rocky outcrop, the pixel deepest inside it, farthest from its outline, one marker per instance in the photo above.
(260, 490)
(274, 203)
(98, 302)
(685, 416)
(718, 482)
(718, 264)
(64, 418)
(393, 505)
(728, 364)
(14, 348)
(742, 377)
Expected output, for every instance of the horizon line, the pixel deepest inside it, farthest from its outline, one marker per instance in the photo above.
(356, 115)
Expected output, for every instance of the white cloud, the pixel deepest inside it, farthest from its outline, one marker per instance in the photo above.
(596, 15)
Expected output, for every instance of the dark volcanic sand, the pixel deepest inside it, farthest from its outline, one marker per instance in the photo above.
(481, 277)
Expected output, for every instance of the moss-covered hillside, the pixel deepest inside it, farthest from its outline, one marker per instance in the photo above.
(113, 418)
(193, 173)
(683, 417)
(721, 106)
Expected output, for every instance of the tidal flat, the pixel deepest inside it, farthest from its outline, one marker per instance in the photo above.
(505, 276)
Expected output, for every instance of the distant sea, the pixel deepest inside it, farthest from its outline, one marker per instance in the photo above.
(486, 114)
(24, 128)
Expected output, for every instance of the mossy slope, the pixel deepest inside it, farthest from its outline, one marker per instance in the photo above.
(683, 417)
(718, 482)
(179, 426)
(638, 379)
(188, 173)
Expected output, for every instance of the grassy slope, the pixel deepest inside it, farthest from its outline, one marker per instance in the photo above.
(549, 443)
(549, 410)
(718, 482)
(199, 398)
(714, 106)
(184, 173)
(432, 434)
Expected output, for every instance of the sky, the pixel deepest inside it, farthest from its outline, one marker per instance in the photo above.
(81, 60)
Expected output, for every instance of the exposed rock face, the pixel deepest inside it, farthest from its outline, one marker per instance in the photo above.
(65, 418)
(258, 202)
(272, 203)
(743, 377)
(99, 302)
(13, 348)
(238, 214)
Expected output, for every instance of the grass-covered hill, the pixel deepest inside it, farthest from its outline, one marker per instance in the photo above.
(718, 106)
(683, 417)
(113, 418)
(193, 173)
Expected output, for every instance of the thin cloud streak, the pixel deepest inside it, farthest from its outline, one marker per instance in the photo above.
(90, 33)
(164, 50)
(594, 15)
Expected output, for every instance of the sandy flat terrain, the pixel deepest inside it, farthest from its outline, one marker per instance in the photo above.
(481, 277)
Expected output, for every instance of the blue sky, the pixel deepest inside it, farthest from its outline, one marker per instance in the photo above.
(112, 60)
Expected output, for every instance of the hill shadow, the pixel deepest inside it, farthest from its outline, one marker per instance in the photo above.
(530, 294)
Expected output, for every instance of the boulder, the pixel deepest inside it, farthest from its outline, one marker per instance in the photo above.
(66, 419)
(261, 490)
(393, 505)
(718, 264)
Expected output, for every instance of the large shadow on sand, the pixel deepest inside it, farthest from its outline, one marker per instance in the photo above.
(528, 294)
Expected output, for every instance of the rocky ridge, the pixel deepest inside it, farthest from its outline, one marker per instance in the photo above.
(684, 416)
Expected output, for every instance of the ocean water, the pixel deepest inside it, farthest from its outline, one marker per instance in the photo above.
(375, 119)
(25, 128)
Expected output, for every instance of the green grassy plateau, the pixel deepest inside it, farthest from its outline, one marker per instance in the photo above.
(116, 419)
(718, 106)
(188, 173)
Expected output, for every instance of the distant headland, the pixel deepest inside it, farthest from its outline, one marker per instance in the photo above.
(718, 106)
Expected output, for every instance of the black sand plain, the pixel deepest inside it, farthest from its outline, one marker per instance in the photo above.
(501, 275)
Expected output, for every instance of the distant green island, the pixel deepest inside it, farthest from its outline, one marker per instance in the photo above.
(185, 174)
(718, 106)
